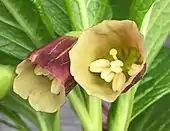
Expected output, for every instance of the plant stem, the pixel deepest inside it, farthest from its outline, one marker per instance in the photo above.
(42, 121)
(81, 110)
(95, 111)
(57, 121)
(120, 112)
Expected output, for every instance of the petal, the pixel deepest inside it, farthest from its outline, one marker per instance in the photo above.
(26, 80)
(42, 99)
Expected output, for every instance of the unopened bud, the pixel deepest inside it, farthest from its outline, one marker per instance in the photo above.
(6, 79)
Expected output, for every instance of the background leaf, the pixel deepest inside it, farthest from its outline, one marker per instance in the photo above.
(26, 15)
(155, 84)
(138, 10)
(15, 103)
(86, 13)
(56, 11)
(19, 123)
(155, 118)
(121, 8)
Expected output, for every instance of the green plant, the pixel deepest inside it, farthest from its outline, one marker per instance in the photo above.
(29, 24)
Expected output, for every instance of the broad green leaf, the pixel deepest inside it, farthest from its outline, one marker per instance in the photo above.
(26, 15)
(13, 40)
(155, 28)
(138, 10)
(44, 17)
(8, 124)
(86, 13)
(98, 10)
(155, 83)
(9, 60)
(17, 104)
(14, 116)
(56, 11)
(121, 9)
(155, 118)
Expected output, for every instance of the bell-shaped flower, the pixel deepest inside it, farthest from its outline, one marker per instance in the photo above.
(44, 78)
(108, 58)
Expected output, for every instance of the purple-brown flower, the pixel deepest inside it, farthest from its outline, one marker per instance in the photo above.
(108, 58)
(44, 78)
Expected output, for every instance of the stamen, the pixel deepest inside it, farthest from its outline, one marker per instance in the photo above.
(118, 81)
(107, 75)
(116, 66)
(38, 70)
(55, 87)
(134, 69)
(113, 52)
(99, 65)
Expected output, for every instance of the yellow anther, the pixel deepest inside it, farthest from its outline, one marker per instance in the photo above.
(118, 81)
(116, 66)
(113, 52)
(99, 65)
(107, 75)
(135, 68)
(40, 71)
(55, 87)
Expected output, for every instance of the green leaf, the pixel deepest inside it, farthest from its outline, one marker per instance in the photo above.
(26, 15)
(155, 83)
(19, 123)
(44, 17)
(155, 118)
(86, 13)
(98, 10)
(121, 9)
(156, 27)
(13, 102)
(56, 11)
(9, 60)
(13, 40)
(138, 10)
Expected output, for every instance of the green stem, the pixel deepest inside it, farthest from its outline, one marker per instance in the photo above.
(42, 121)
(95, 111)
(81, 111)
(57, 121)
(122, 108)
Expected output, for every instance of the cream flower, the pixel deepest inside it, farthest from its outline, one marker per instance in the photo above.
(108, 58)
(44, 78)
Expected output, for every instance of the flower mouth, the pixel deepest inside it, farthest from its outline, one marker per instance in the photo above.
(55, 85)
(124, 63)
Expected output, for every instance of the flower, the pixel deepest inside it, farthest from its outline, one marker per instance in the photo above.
(44, 78)
(108, 58)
